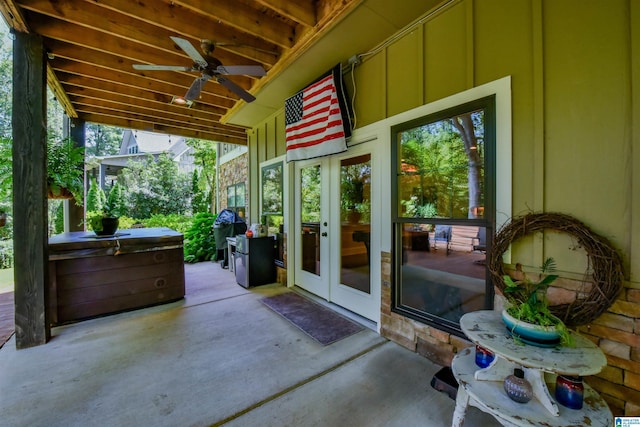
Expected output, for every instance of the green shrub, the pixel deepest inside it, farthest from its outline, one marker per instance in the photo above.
(58, 223)
(177, 222)
(6, 254)
(199, 241)
(124, 222)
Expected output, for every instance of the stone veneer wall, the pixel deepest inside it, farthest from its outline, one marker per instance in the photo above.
(231, 173)
(616, 332)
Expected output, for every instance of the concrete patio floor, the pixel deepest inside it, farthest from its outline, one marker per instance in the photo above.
(218, 357)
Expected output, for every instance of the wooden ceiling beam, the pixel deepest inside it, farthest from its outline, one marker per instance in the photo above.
(150, 127)
(303, 12)
(213, 93)
(115, 24)
(84, 102)
(81, 74)
(186, 23)
(126, 50)
(93, 44)
(13, 16)
(154, 119)
(65, 51)
(244, 18)
(199, 111)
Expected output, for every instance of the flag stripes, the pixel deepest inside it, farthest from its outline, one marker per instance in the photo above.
(313, 119)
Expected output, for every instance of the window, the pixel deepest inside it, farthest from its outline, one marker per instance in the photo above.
(133, 149)
(272, 204)
(444, 190)
(236, 200)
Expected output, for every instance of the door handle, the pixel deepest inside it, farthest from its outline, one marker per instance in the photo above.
(324, 234)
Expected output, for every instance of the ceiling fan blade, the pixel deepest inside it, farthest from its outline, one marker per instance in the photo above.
(236, 89)
(161, 67)
(245, 70)
(190, 50)
(196, 88)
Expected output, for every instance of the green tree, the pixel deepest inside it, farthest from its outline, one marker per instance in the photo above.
(96, 198)
(6, 82)
(6, 172)
(200, 200)
(116, 200)
(155, 187)
(102, 140)
(205, 156)
(310, 188)
(6, 143)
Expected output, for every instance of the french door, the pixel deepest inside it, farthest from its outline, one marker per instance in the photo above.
(333, 232)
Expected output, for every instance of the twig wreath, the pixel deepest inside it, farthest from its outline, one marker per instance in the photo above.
(605, 263)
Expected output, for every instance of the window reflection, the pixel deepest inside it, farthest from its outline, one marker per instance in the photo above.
(443, 270)
(442, 168)
(355, 213)
(272, 206)
(310, 218)
(444, 194)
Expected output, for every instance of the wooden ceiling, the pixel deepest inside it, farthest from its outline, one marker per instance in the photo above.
(93, 44)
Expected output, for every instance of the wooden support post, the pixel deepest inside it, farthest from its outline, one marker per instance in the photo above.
(31, 256)
(76, 131)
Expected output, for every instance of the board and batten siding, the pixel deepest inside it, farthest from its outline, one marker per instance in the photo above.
(574, 68)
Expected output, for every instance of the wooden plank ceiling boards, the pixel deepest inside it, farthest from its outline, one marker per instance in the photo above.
(92, 45)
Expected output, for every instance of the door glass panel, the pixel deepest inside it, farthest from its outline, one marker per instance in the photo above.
(310, 218)
(355, 215)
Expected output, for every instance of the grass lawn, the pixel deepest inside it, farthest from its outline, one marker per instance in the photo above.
(6, 280)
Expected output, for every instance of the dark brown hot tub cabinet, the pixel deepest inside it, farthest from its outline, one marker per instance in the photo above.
(91, 276)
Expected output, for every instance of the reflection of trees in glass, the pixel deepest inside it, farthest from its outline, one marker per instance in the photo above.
(272, 189)
(442, 164)
(355, 186)
(310, 194)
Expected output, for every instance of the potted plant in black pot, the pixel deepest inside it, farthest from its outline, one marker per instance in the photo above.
(104, 222)
(65, 170)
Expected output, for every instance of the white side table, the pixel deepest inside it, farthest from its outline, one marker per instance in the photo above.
(483, 388)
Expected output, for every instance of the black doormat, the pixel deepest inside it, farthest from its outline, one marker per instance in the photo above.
(320, 323)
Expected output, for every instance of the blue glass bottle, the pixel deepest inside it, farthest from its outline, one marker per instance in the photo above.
(570, 391)
(483, 357)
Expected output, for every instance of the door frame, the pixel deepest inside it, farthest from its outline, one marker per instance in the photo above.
(342, 295)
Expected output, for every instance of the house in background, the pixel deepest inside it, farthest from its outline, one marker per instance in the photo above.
(232, 178)
(136, 146)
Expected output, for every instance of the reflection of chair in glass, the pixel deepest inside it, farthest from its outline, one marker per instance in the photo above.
(481, 238)
(442, 234)
(481, 244)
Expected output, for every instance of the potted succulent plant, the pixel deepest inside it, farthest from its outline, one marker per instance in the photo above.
(65, 170)
(527, 315)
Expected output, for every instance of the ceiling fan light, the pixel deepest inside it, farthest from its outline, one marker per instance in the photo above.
(179, 100)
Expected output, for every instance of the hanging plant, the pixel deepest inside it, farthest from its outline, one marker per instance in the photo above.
(65, 170)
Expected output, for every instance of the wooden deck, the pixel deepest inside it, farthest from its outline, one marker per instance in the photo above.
(7, 314)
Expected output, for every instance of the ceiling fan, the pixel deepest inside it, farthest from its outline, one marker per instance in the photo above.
(208, 67)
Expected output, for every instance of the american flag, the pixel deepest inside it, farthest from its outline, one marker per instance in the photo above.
(314, 125)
